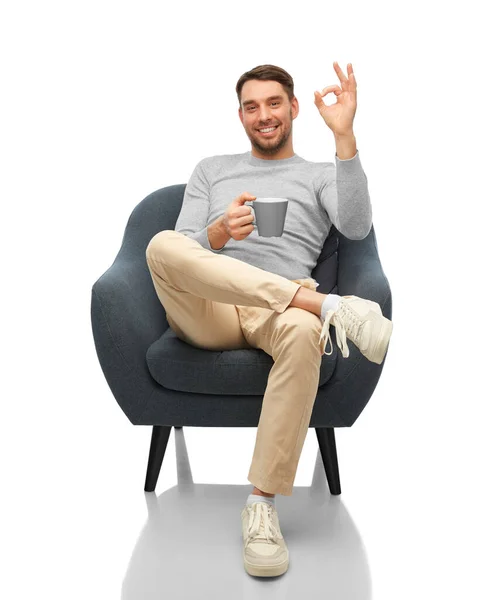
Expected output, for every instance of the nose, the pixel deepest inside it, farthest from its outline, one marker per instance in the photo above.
(265, 114)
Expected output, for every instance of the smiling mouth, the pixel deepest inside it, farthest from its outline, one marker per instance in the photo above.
(269, 133)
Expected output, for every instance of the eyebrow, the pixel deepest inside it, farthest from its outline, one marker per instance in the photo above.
(270, 98)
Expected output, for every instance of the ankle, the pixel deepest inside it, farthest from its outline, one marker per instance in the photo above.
(309, 300)
(258, 492)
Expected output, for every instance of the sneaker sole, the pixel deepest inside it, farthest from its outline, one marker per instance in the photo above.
(379, 349)
(266, 570)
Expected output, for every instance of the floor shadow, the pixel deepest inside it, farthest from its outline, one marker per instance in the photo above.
(191, 544)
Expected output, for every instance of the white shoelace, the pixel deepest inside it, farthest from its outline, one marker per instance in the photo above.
(344, 320)
(260, 525)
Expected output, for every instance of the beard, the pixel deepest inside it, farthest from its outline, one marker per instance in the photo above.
(273, 145)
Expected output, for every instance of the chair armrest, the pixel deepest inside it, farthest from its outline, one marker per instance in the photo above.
(127, 317)
(361, 274)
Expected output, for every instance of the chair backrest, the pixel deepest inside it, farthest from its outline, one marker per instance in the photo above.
(160, 211)
(326, 270)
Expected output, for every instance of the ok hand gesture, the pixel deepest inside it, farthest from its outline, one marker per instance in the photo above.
(339, 116)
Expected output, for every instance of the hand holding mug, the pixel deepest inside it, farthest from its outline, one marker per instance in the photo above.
(237, 221)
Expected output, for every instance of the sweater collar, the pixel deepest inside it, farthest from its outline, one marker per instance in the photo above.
(262, 162)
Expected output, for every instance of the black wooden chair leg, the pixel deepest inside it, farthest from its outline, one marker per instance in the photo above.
(328, 449)
(159, 439)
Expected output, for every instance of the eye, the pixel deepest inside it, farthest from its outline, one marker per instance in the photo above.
(252, 107)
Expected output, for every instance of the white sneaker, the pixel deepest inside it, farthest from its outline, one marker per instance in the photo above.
(363, 323)
(265, 553)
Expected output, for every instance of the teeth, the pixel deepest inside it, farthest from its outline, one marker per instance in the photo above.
(266, 130)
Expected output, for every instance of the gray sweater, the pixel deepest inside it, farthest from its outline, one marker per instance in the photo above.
(319, 194)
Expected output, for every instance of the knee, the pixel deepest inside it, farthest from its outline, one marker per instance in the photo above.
(301, 324)
(159, 241)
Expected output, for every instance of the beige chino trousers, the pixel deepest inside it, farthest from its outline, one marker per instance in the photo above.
(217, 302)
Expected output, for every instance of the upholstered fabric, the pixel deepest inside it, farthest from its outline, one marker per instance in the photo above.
(180, 366)
(150, 371)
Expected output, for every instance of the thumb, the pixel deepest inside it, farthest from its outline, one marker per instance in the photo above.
(318, 100)
(246, 197)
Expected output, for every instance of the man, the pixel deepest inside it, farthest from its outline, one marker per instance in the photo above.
(224, 287)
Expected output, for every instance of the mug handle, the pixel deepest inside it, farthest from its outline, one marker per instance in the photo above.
(254, 222)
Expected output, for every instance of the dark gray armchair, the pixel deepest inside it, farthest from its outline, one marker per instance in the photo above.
(159, 380)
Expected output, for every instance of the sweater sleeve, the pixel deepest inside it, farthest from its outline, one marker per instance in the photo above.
(343, 193)
(193, 216)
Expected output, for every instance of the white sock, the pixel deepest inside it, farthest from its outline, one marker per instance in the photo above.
(258, 498)
(331, 302)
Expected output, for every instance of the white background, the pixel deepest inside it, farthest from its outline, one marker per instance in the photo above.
(103, 103)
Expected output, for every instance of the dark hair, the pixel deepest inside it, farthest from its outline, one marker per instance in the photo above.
(268, 73)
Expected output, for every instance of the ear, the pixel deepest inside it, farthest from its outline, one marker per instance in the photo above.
(295, 107)
(240, 113)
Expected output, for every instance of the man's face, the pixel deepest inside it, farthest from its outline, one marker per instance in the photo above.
(265, 104)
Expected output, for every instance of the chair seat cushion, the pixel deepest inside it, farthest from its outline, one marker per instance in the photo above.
(177, 365)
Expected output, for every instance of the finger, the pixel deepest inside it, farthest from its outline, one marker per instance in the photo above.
(246, 197)
(240, 212)
(331, 88)
(339, 72)
(242, 220)
(318, 100)
(350, 74)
